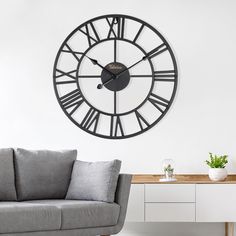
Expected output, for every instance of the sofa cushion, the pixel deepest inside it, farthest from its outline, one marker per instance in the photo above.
(16, 217)
(7, 175)
(43, 174)
(94, 180)
(84, 214)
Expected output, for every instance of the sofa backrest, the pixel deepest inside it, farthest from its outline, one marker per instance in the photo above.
(7, 176)
(43, 174)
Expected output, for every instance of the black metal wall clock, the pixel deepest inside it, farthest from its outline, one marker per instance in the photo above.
(115, 76)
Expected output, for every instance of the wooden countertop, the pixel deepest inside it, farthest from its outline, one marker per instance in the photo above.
(181, 179)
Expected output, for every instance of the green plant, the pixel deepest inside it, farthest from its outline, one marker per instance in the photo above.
(217, 161)
(168, 168)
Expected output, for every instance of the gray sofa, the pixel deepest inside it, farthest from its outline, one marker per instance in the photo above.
(23, 178)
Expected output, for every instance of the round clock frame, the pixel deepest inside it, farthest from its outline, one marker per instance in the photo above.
(115, 76)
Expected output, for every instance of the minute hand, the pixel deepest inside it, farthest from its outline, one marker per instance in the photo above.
(116, 76)
(144, 58)
(108, 81)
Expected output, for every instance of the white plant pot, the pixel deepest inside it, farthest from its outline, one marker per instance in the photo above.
(217, 174)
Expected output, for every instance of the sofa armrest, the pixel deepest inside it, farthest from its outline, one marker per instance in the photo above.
(122, 197)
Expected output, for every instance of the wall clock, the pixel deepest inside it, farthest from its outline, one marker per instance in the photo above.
(115, 76)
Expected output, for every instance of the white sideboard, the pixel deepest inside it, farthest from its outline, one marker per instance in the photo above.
(216, 202)
(190, 199)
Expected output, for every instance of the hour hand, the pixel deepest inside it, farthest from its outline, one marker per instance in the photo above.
(95, 62)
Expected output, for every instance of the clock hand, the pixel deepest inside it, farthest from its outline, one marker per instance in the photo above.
(99, 86)
(116, 76)
(143, 59)
(95, 62)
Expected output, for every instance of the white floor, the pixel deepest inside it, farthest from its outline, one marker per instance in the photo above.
(173, 229)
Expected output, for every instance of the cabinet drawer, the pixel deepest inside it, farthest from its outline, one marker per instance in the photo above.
(169, 212)
(170, 193)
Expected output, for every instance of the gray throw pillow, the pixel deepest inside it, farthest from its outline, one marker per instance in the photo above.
(7, 175)
(43, 174)
(95, 181)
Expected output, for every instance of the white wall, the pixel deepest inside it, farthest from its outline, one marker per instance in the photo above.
(202, 34)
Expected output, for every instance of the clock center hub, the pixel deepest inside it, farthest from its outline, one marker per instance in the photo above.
(120, 78)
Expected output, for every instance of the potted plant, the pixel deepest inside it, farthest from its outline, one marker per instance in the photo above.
(169, 171)
(217, 171)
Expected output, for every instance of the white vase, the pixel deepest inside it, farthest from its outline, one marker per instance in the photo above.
(217, 174)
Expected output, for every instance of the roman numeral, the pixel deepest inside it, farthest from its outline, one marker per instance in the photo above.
(73, 53)
(69, 76)
(116, 127)
(72, 99)
(121, 27)
(156, 51)
(116, 27)
(141, 121)
(138, 34)
(165, 75)
(91, 33)
(91, 118)
(159, 102)
(161, 75)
